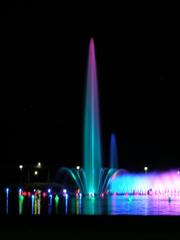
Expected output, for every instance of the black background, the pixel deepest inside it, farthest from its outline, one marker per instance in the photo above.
(45, 61)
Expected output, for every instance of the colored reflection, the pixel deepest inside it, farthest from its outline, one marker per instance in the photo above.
(7, 200)
(7, 204)
(66, 204)
(89, 206)
(127, 204)
(32, 204)
(78, 206)
(37, 202)
(56, 200)
(50, 204)
(21, 202)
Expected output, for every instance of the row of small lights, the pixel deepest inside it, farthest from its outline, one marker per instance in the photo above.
(44, 194)
(49, 192)
(39, 165)
(64, 193)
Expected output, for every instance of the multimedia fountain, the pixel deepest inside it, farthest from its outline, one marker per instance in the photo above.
(93, 179)
(98, 190)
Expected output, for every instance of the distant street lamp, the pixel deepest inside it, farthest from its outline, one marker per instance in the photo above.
(20, 167)
(39, 165)
(35, 173)
(78, 168)
(145, 169)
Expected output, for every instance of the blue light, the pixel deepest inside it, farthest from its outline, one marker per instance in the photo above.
(7, 190)
(66, 203)
(32, 204)
(49, 190)
(80, 195)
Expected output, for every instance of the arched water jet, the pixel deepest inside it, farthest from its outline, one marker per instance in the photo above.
(73, 174)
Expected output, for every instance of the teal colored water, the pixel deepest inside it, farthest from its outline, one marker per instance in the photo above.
(92, 138)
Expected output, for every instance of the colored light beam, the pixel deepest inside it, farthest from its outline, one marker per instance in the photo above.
(113, 152)
(92, 140)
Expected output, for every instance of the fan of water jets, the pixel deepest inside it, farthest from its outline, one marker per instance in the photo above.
(79, 178)
(105, 174)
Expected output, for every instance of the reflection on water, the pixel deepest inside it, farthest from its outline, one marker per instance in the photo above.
(109, 205)
(66, 204)
(50, 204)
(78, 206)
(56, 200)
(21, 202)
(142, 205)
(32, 204)
(7, 205)
(7, 200)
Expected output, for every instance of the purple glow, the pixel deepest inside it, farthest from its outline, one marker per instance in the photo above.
(64, 191)
(166, 183)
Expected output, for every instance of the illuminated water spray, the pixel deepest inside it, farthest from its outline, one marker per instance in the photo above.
(92, 140)
(113, 152)
(155, 183)
(92, 179)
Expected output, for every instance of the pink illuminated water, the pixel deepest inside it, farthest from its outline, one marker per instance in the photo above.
(166, 183)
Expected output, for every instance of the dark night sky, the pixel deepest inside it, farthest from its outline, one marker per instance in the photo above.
(138, 71)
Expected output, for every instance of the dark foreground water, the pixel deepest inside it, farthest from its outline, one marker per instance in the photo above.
(125, 216)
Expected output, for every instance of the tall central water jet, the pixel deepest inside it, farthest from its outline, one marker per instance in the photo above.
(92, 178)
(92, 139)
